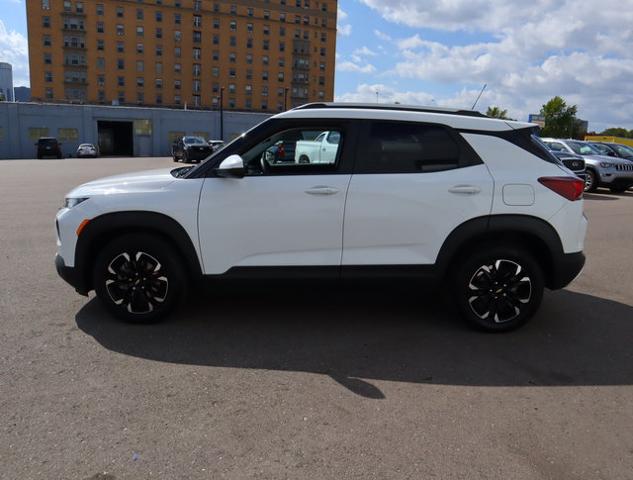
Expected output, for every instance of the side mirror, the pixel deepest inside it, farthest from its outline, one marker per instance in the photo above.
(231, 167)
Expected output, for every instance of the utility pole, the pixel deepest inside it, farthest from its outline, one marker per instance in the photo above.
(377, 96)
(222, 113)
(286, 98)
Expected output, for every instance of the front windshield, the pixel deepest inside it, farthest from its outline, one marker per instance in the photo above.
(603, 149)
(623, 150)
(583, 148)
(190, 140)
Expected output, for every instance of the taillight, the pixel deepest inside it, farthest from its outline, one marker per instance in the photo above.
(571, 188)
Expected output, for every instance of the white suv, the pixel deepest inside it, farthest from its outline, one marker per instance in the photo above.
(423, 194)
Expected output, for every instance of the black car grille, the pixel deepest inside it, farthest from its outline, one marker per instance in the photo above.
(624, 167)
(575, 165)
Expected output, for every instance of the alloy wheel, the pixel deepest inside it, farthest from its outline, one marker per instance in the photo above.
(499, 291)
(137, 282)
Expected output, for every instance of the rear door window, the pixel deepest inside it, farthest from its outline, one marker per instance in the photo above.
(400, 147)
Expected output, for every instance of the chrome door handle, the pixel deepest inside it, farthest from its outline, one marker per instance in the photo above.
(322, 190)
(465, 190)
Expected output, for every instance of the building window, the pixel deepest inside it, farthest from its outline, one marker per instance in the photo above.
(121, 81)
(197, 21)
(159, 68)
(140, 15)
(140, 81)
(120, 47)
(140, 31)
(46, 22)
(100, 45)
(120, 31)
(177, 84)
(231, 88)
(119, 12)
(48, 59)
(46, 5)
(177, 67)
(177, 18)
(140, 66)
(197, 70)
(177, 36)
(159, 32)
(120, 64)
(101, 28)
(159, 16)
(48, 77)
(100, 9)
(140, 48)
(47, 40)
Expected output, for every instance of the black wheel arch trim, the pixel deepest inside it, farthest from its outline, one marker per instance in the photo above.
(560, 268)
(105, 227)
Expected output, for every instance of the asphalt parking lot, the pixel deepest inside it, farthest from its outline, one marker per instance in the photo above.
(317, 385)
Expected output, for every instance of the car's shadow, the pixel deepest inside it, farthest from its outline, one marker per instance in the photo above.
(395, 334)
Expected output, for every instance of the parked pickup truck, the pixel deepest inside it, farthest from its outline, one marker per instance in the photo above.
(320, 150)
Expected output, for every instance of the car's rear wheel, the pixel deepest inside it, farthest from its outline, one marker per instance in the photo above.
(591, 181)
(498, 289)
(619, 189)
(304, 159)
(138, 278)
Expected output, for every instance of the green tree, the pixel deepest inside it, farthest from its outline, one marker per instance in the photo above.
(560, 119)
(617, 132)
(2, 99)
(496, 112)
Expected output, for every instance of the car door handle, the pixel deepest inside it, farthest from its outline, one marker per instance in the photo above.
(322, 190)
(465, 189)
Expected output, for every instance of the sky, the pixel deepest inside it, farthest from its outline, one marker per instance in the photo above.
(442, 52)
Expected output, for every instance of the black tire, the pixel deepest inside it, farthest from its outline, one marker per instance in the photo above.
(618, 189)
(498, 289)
(591, 181)
(304, 159)
(144, 262)
(175, 158)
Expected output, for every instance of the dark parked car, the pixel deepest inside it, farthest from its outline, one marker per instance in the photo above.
(613, 150)
(216, 144)
(574, 162)
(191, 149)
(48, 147)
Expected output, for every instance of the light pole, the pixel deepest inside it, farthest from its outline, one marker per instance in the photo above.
(221, 113)
(377, 96)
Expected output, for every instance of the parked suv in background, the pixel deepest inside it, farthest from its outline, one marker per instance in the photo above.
(191, 149)
(48, 147)
(422, 194)
(601, 170)
(613, 150)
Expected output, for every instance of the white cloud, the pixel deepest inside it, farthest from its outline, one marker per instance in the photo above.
(364, 52)
(344, 29)
(580, 50)
(14, 50)
(382, 35)
(349, 66)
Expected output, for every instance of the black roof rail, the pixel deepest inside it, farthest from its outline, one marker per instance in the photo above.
(392, 106)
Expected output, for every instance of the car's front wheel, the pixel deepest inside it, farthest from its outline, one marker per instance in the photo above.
(498, 289)
(138, 278)
(591, 181)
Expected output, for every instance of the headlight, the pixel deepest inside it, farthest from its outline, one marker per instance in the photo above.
(73, 202)
(606, 164)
